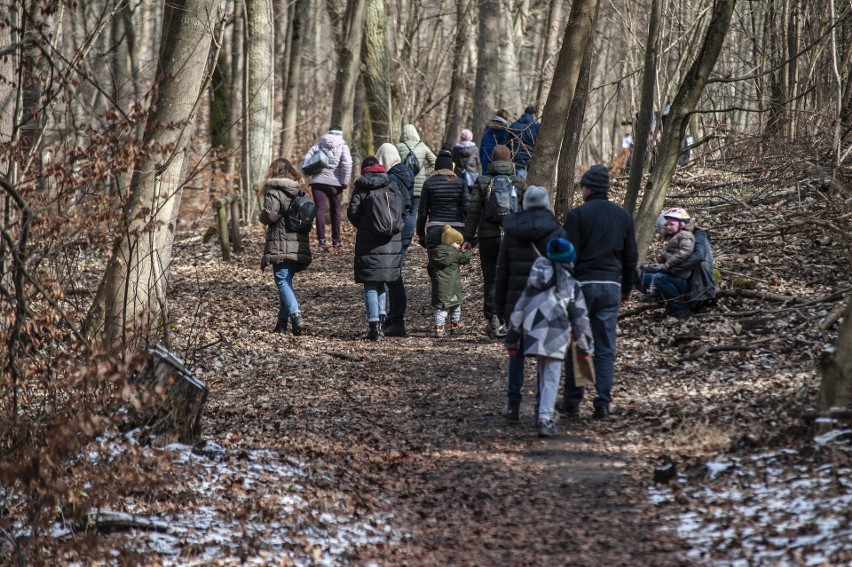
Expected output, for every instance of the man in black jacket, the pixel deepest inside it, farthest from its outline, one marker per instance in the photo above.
(603, 235)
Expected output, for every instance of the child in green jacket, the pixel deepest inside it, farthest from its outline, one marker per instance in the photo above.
(447, 295)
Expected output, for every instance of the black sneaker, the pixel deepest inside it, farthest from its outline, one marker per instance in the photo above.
(601, 412)
(649, 298)
(394, 329)
(567, 410)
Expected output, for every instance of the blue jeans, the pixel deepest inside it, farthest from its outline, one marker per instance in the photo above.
(374, 300)
(602, 301)
(287, 302)
(397, 296)
(516, 377)
(671, 288)
(408, 229)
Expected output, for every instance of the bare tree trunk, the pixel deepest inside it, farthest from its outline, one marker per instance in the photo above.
(549, 49)
(837, 368)
(484, 94)
(578, 33)
(508, 89)
(236, 86)
(136, 276)
(348, 61)
(684, 103)
(291, 96)
(567, 167)
(456, 98)
(259, 101)
(375, 75)
(642, 126)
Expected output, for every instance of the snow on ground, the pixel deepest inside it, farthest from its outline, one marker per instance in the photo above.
(268, 487)
(775, 508)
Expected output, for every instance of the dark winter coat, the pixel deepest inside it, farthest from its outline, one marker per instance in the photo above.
(524, 133)
(496, 133)
(466, 158)
(443, 201)
(444, 262)
(281, 244)
(525, 239)
(377, 258)
(701, 284)
(602, 233)
(402, 179)
(475, 220)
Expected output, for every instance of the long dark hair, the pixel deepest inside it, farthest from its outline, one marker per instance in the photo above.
(283, 168)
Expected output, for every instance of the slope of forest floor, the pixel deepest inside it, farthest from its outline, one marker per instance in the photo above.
(328, 450)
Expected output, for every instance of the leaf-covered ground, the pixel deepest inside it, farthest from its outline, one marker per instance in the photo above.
(328, 450)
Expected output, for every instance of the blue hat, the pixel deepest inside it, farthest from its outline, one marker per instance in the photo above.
(562, 251)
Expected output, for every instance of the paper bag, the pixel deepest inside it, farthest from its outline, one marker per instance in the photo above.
(584, 371)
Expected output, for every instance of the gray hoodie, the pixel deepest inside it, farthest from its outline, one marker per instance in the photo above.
(411, 139)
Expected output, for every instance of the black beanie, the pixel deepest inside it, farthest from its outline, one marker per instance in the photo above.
(596, 179)
(368, 161)
(444, 161)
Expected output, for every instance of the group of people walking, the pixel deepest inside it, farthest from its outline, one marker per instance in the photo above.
(543, 281)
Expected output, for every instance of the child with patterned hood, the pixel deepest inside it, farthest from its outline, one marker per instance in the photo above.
(549, 311)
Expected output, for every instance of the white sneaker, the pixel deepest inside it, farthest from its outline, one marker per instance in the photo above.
(501, 331)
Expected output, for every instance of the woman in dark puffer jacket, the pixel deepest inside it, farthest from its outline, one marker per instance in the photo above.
(288, 251)
(443, 200)
(376, 256)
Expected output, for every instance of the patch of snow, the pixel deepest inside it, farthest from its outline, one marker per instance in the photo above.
(766, 510)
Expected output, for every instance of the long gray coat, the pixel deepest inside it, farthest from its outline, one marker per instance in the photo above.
(549, 308)
(282, 244)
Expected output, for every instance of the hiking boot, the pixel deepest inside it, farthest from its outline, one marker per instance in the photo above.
(649, 298)
(441, 332)
(565, 409)
(394, 328)
(296, 322)
(373, 334)
(547, 429)
(456, 328)
(601, 412)
(281, 326)
(382, 325)
(491, 324)
(512, 411)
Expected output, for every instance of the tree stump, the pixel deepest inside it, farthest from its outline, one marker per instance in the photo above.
(178, 395)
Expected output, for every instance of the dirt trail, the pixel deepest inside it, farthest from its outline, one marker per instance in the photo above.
(410, 425)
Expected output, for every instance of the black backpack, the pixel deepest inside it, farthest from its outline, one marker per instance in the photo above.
(501, 199)
(384, 208)
(411, 159)
(300, 214)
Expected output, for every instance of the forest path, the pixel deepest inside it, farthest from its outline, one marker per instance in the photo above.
(410, 426)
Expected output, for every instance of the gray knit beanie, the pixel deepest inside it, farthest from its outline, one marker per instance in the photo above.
(535, 197)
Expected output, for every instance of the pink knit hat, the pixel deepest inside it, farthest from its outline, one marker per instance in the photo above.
(466, 135)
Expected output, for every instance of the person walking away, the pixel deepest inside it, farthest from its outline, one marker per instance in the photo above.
(402, 179)
(376, 210)
(410, 142)
(668, 280)
(443, 201)
(286, 250)
(445, 275)
(526, 236)
(524, 132)
(466, 158)
(603, 235)
(548, 313)
(479, 230)
(496, 133)
(328, 185)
